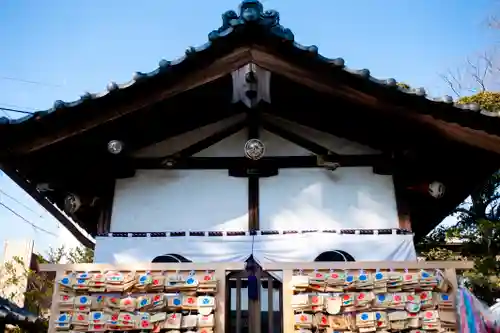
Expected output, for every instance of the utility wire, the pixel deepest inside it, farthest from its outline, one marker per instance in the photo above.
(20, 203)
(15, 110)
(30, 81)
(26, 221)
(17, 107)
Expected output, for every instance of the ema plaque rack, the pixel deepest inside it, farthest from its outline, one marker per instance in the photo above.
(163, 297)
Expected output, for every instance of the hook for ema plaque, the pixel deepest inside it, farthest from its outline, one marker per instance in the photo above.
(406, 270)
(331, 270)
(301, 271)
(192, 273)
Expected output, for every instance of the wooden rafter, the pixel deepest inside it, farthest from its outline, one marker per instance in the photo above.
(207, 142)
(45, 203)
(297, 139)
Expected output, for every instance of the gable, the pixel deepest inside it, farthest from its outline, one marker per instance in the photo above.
(233, 146)
(178, 104)
(237, 43)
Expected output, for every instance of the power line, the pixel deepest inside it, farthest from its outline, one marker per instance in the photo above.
(15, 110)
(15, 106)
(19, 202)
(26, 221)
(8, 78)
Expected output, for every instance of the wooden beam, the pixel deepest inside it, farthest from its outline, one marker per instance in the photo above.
(253, 117)
(297, 139)
(209, 141)
(217, 69)
(402, 202)
(51, 208)
(106, 207)
(309, 78)
(265, 162)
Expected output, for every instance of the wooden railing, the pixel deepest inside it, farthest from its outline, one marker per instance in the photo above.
(285, 271)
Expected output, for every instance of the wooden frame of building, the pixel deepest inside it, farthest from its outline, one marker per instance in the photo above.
(253, 69)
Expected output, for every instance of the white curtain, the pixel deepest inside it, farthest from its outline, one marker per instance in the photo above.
(265, 248)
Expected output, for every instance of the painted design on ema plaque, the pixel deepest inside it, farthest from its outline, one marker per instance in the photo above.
(254, 149)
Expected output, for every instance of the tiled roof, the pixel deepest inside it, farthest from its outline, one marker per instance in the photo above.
(251, 13)
(14, 315)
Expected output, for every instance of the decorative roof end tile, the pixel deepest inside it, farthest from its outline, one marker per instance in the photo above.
(163, 64)
(474, 107)
(86, 96)
(138, 75)
(447, 99)
(112, 86)
(251, 12)
(59, 104)
(420, 91)
(391, 82)
(340, 62)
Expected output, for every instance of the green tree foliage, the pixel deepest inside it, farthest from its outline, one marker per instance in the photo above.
(486, 99)
(477, 227)
(403, 85)
(39, 285)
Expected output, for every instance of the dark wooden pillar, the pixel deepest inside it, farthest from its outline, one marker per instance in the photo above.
(106, 207)
(253, 177)
(401, 193)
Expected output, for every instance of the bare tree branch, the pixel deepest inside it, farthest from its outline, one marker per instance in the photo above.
(453, 82)
(478, 74)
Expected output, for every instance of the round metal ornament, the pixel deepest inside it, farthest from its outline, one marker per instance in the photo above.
(437, 189)
(254, 149)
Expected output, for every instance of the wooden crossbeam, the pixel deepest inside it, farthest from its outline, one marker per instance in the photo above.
(265, 162)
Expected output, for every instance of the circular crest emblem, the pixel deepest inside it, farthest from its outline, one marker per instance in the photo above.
(437, 189)
(254, 149)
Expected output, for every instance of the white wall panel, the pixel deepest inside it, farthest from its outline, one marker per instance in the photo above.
(320, 199)
(180, 200)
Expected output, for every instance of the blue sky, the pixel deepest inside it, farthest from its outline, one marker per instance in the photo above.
(69, 47)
